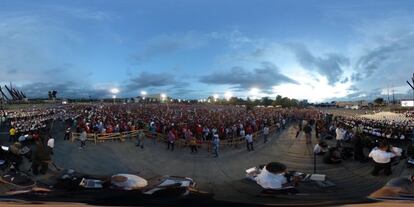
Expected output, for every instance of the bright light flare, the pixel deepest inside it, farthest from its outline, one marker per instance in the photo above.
(163, 96)
(228, 95)
(114, 90)
(143, 93)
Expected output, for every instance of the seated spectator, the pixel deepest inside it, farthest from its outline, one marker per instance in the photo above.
(273, 176)
(321, 148)
(333, 156)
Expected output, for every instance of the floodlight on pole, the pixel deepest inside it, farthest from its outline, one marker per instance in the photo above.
(215, 96)
(163, 96)
(114, 97)
(143, 93)
(254, 92)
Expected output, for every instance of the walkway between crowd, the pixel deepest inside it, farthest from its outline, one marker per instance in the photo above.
(225, 176)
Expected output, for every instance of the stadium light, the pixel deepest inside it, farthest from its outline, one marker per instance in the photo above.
(215, 96)
(163, 96)
(254, 92)
(143, 93)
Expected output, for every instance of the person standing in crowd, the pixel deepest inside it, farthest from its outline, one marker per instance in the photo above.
(249, 142)
(193, 144)
(12, 134)
(140, 139)
(51, 144)
(382, 158)
(216, 144)
(171, 140)
(358, 147)
(40, 157)
(153, 130)
(308, 133)
(265, 133)
(67, 133)
(340, 135)
(82, 138)
(299, 128)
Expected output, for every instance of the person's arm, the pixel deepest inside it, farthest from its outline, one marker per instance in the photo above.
(371, 153)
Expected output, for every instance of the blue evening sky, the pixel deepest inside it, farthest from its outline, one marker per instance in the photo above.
(315, 50)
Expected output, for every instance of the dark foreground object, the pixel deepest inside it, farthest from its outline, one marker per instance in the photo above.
(64, 187)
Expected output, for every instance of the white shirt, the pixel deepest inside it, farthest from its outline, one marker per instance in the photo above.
(318, 149)
(380, 156)
(340, 134)
(132, 182)
(249, 138)
(266, 130)
(51, 143)
(270, 180)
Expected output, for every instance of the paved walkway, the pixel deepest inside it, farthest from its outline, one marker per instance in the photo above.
(224, 176)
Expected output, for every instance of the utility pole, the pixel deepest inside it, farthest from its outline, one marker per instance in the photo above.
(412, 79)
(388, 92)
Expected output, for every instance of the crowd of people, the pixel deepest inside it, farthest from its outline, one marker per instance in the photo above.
(197, 122)
(178, 121)
(32, 119)
(380, 128)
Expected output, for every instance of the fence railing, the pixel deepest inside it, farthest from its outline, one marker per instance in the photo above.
(122, 136)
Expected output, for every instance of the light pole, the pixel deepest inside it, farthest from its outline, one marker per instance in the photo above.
(143, 93)
(114, 97)
(215, 96)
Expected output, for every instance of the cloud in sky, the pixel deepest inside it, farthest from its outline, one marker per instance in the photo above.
(169, 44)
(71, 46)
(146, 80)
(331, 65)
(265, 77)
(67, 89)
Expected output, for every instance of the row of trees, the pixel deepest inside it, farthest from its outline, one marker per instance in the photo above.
(265, 101)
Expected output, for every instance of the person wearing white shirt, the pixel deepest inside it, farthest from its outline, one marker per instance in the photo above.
(321, 148)
(274, 176)
(382, 159)
(249, 142)
(265, 133)
(51, 144)
(340, 135)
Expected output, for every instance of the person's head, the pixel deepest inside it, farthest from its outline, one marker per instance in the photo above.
(118, 179)
(333, 149)
(276, 167)
(383, 146)
(17, 145)
(323, 144)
